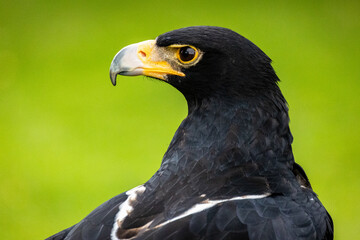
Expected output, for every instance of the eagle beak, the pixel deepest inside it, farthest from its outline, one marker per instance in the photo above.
(141, 59)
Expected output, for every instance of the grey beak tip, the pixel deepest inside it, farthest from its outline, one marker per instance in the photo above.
(126, 62)
(113, 77)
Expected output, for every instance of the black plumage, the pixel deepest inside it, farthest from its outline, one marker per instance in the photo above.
(229, 171)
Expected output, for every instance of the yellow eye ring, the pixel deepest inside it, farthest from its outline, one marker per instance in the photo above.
(187, 54)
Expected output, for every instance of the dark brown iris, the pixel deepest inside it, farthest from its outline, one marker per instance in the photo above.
(187, 54)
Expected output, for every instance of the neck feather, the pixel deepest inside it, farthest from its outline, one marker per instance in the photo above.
(249, 129)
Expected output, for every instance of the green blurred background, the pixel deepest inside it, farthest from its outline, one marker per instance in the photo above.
(69, 140)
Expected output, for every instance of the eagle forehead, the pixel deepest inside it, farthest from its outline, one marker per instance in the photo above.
(200, 36)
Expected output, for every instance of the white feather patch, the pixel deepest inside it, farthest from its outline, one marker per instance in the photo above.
(208, 204)
(126, 208)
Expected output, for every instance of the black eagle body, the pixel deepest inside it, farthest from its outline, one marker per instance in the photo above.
(229, 172)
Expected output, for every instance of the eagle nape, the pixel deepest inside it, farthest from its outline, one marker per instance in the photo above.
(229, 171)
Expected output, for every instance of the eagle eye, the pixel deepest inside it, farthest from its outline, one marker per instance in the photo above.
(187, 54)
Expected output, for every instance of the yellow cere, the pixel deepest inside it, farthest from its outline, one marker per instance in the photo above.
(154, 64)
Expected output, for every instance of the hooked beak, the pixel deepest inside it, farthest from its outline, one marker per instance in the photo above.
(141, 59)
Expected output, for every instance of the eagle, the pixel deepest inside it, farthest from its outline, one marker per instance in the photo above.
(229, 171)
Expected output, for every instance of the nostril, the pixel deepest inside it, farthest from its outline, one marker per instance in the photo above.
(142, 54)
